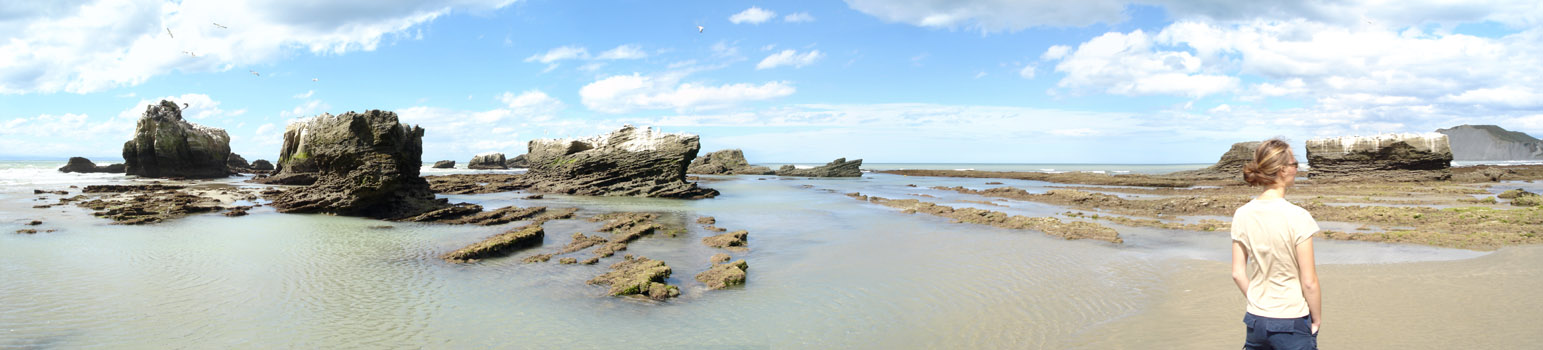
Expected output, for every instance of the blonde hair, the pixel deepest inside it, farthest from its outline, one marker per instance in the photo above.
(1270, 159)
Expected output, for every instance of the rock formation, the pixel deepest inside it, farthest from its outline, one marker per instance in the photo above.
(487, 161)
(1489, 143)
(836, 168)
(721, 276)
(262, 165)
(725, 162)
(444, 164)
(363, 164)
(627, 162)
(164, 145)
(1391, 157)
(83, 165)
(517, 162)
(1230, 165)
(237, 163)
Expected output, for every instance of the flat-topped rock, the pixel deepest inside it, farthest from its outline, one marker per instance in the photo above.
(1388, 157)
(725, 162)
(444, 164)
(836, 168)
(166, 146)
(492, 160)
(631, 161)
(364, 164)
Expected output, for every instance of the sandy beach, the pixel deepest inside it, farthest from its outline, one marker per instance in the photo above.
(1481, 303)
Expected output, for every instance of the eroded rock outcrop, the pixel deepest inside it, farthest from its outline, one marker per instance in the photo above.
(165, 145)
(237, 163)
(725, 162)
(1230, 165)
(836, 168)
(631, 161)
(83, 165)
(1490, 142)
(638, 276)
(487, 161)
(364, 164)
(1391, 157)
(517, 162)
(724, 275)
(444, 164)
(262, 165)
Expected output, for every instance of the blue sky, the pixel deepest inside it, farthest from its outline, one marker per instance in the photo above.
(1099, 81)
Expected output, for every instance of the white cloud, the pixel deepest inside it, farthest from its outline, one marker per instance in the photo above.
(531, 105)
(625, 93)
(305, 95)
(752, 15)
(798, 17)
(789, 58)
(1128, 64)
(624, 52)
(307, 109)
(1027, 72)
(1510, 96)
(198, 107)
(1056, 52)
(559, 54)
(90, 46)
(1078, 132)
(993, 15)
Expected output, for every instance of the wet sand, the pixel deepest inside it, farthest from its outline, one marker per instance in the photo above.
(1489, 302)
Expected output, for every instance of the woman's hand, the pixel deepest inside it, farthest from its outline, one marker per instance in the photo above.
(1315, 327)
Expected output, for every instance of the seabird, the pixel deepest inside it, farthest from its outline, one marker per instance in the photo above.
(313, 79)
(699, 29)
(190, 53)
(217, 24)
(184, 105)
(254, 72)
(168, 33)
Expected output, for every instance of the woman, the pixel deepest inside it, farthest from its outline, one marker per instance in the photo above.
(1272, 256)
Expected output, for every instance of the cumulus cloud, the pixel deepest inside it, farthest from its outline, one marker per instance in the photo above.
(1129, 64)
(625, 93)
(89, 46)
(752, 15)
(452, 133)
(789, 58)
(798, 17)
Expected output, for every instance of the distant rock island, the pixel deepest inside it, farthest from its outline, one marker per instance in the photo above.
(1490, 142)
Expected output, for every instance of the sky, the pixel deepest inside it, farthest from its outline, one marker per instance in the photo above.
(888, 81)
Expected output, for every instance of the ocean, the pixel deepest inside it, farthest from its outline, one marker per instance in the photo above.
(826, 271)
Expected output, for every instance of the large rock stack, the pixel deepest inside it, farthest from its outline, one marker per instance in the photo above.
(725, 162)
(836, 168)
(1391, 157)
(164, 145)
(363, 164)
(1491, 143)
(626, 162)
(487, 161)
(1230, 165)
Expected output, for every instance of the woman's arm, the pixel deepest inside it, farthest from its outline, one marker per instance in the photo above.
(1239, 267)
(1308, 274)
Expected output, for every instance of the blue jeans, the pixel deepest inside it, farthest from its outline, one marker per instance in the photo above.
(1266, 333)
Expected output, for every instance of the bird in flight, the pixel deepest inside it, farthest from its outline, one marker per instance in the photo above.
(184, 105)
(313, 80)
(168, 33)
(700, 28)
(217, 24)
(190, 53)
(254, 72)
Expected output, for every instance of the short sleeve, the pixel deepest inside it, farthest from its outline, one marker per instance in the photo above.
(1303, 226)
(1237, 229)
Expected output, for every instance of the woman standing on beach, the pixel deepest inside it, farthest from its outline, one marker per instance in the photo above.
(1272, 256)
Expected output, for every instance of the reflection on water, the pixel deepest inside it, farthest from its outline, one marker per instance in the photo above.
(826, 271)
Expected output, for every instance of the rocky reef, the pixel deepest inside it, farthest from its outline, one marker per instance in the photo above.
(1230, 165)
(631, 161)
(83, 165)
(836, 168)
(1490, 142)
(517, 162)
(638, 276)
(499, 245)
(487, 161)
(444, 164)
(1390, 157)
(722, 275)
(166, 146)
(725, 162)
(363, 164)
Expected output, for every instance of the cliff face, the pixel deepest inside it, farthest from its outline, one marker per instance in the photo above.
(1392, 157)
(1490, 142)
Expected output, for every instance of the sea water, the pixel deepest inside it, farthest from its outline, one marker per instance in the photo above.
(826, 271)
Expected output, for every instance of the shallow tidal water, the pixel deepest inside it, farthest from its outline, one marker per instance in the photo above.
(826, 271)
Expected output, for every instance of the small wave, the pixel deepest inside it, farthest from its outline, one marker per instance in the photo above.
(965, 169)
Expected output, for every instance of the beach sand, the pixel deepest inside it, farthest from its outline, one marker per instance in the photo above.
(1489, 302)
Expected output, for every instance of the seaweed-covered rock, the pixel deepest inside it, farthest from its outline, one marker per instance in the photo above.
(262, 165)
(364, 164)
(1230, 165)
(518, 161)
(732, 240)
(631, 161)
(83, 165)
(493, 160)
(444, 164)
(164, 145)
(837, 168)
(1392, 157)
(724, 275)
(638, 276)
(500, 245)
(725, 162)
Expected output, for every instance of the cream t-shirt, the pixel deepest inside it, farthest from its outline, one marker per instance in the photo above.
(1270, 231)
